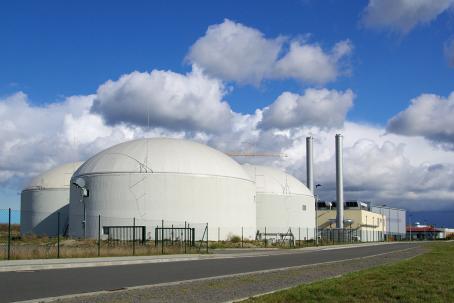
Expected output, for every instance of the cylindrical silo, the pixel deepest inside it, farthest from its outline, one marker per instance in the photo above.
(45, 196)
(166, 179)
(283, 202)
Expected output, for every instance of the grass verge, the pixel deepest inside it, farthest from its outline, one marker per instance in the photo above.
(426, 278)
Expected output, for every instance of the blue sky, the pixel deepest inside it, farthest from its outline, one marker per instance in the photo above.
(56, 59)
(53, 49)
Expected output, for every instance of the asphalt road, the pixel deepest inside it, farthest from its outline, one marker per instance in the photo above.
(17, 286)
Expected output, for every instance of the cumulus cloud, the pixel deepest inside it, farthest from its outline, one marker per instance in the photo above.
(382, 172)
(383, 168)
(316, 107)
(36, 138)
(234, 52)
(429, 116)
(398, 170)
(309, 63)
(166, 99)
(403, 15)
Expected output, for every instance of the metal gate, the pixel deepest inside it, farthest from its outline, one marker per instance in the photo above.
(125, 233)
(174, 235)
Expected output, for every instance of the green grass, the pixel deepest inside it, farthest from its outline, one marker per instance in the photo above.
(426, 278)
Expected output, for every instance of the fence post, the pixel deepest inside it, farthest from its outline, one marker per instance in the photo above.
(99, 235)
(299, 236)
(265, 236)
(172, 235)
(307, 236)
(316, 237)
(241, 236)
(207, 237)
(134, 236)
(185, 231)
(156, 236)
(58, 235)
(9, 233)
(162, 237)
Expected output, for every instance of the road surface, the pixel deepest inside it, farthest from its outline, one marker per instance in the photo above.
(27, 285)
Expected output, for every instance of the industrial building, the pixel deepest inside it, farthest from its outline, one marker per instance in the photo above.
(144, 182)
(284, 204)
(368, 226)
(171, 179)
(396, 222)
(43, 198)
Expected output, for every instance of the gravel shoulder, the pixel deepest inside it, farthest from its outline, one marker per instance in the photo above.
(225, 289)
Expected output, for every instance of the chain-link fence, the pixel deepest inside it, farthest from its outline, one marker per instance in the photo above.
(43, 235)
(31, 235)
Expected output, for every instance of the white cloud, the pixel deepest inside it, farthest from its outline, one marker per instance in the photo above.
(309, 63)
(36, 138)
(403, 15)
(165, 99)
(429, 116)
(385, 168)
(398, 170)
(234, 52)
(316, 107)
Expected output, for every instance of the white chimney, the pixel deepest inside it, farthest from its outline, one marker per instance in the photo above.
(310, 164)
(339, 183)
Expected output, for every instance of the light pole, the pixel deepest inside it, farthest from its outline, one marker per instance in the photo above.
(316, 215)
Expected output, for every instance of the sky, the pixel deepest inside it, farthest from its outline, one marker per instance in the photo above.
(79, 76)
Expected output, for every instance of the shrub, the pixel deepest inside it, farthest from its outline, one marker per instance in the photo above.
(234, 239)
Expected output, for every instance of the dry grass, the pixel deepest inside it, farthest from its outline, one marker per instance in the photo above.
(31, 247)
(85, 251)
(43, 247)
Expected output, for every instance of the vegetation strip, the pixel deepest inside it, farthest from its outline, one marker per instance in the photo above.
(426, 278)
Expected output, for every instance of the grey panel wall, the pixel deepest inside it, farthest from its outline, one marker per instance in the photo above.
(395, 219)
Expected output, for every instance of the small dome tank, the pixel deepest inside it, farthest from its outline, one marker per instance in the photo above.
(43, 198)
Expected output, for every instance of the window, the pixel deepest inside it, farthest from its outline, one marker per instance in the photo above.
(304, 207)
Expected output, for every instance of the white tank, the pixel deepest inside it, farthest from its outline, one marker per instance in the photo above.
(166, 179)
(45, 196)
(283, 202)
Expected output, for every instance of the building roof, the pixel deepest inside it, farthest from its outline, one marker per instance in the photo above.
(162, 155)
(57, 177)
(422, 229)
(270, 180)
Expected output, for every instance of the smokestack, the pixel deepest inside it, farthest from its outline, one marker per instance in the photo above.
(310, 164)
(339, 183)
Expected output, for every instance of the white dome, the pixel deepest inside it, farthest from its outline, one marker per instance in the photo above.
(274, 181)
(57, 177)
(162, 155)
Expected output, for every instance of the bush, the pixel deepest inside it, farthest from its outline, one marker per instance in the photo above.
(234, 239)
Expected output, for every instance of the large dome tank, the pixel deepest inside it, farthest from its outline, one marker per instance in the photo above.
(283, 202)
(150, 180)
(42, 199)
